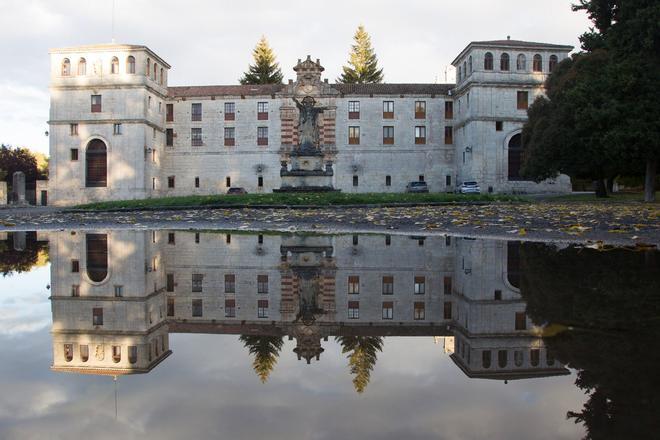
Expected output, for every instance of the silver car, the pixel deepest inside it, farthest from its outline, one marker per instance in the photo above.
(417, 187)
(470, 187)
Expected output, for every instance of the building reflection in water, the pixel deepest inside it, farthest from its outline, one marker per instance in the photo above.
(117, 296)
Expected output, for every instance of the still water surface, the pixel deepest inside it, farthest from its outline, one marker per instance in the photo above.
(183, 334)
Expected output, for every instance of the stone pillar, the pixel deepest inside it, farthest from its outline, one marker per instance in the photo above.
(3, 193)
(18, 188)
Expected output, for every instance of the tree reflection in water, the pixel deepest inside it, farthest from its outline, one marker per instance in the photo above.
(612, 302)
(362, 356)
(266, 350)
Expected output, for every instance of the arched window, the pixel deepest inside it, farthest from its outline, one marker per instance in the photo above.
(161, 76)
(470, 64)
(502, 358)
(518, 358)
(155, 70)
(148, 67)
(515, 157)
(96, 164)
(82, 67)
(488, 61)
(465, 74)
(521, 62)
(460, 73)
(114, 65)
(97, 257)
(504, 62)
(534, 357)
(553, 63)
(130, 64)
(116, 354)
(513, 263)
(485, 358)
(68, 352)
(537, 65)
(66, 67)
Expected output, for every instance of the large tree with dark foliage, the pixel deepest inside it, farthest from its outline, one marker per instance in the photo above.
(610, 301)
(265, 70)
(14, 159)
(362, 62)
(13, 260)
(600, 115)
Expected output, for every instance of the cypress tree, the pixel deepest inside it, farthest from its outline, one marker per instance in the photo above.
(362, 63)
(265, 69)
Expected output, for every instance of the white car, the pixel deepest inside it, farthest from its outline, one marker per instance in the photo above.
(470, 187)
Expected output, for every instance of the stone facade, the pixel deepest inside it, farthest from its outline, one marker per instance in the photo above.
(149, 284)
(162, 141)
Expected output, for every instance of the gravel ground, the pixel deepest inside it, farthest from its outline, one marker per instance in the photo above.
(614, 223)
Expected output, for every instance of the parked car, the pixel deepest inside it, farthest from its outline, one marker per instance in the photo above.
(236, 190)
(470, 187)
(417, 187)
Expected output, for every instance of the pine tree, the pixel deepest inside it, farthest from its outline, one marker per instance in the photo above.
(363, 63)
(362, 355)
(265, 69)
(266, 350)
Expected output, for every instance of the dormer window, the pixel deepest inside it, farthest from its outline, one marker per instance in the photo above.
(488, 61)
(82, 67)
(66, 67)
(114, 65)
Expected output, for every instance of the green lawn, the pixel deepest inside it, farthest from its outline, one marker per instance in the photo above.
(591, 197)
(296, 199)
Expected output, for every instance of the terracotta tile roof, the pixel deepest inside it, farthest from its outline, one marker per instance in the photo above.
(232, 90)
(393, 89)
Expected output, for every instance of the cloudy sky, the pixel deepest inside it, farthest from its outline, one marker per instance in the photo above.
(210, 42)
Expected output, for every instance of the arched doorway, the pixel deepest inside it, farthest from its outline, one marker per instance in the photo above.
(515, 157)
(96, 164)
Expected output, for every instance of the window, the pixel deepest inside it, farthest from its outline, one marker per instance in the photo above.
(447, 310)
(262, 135)
(499, 125)
(74, 154)
(504, 62)
(114, 65)
(196, 233)
(116, 129)
(418, 311)
(260, 239)
(515, 158)
(97, 316)
(388, 135)
(169, 112)
(353, 109)
(75, 291)
(522, 100)
(197, 308)
(170, 184)
(153, 183)
(84, 353)
(448, 240)
(355, 240)
(132, 354)
(161, 78)
(388, 285)
(73, 129)
(537, 63)
(230, 283)
(75, 266)
(82, 67)
(518, 358)
(460, 73)
(449, 135)
(552, 63)
(197, 280)
(169, 137)
(130, 64)
(148, 67)
(230, 133)
(230, 109)
(447, 180)
(155, 71)
(420, 177)
(230, 308)
(449, 110)
(388, 109)
(171, 238)
(262, 111)
(485, 359)
(521, 321)
(470, 65)
(68, 352)
(502, 358)
(119, 291)
(534, 356)
(262, 308)
(420, 109)
(388, 240)
(464, 69)
(521, 62)
(228, 184)
(355, 181)
(96, 103)
(66, 67)
(447, 283)
(97, 257)
(260, 182)
(354, 284)
(388, 180)
(196, 111)
(420, 285)
(420, 135)
(497, 295)
(388, 309)
(196, 137)
(354, 310)
(353, 135)
(262, 283)
(488, 61)
(116, 354)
